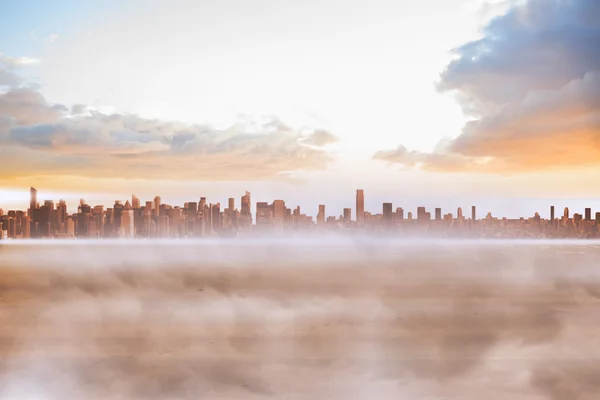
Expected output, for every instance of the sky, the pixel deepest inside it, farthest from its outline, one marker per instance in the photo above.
(434, 103)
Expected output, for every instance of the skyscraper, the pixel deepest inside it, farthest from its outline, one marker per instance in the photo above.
(347, 215)
(231, 204)
(33, 198)
(135, 202)
(246, 206)
(551, 213)
(438, 214)
(588, 214)
(157, 206)
(321, 215)
(360, 206)
(473, 213)
(279, 214)
(127, 221)
(459, 213)
(387, 214)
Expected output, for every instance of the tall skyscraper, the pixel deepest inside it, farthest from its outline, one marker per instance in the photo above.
(438, 214)
(135, 202)
(421, 213)
(231, 204)
(127, 221)
(360, 206)
(157, 206)
(387, 214)
(473, 213)
(246, 206)
(321, 215)
(588, 214)
(551, 213)
(32, 200)
(279, 214)
(566, 213)
(459, 213)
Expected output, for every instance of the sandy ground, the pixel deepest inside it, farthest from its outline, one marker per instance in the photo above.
(294, 320)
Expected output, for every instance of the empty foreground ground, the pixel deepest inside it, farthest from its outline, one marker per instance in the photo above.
(282, 320)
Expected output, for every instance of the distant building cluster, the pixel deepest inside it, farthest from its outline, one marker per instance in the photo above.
(153, 219)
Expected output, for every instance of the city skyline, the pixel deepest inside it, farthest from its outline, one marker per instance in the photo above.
(204, 218)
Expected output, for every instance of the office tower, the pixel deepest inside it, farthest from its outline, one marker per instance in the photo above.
(598, 218)
(127, 221)
(33, 199)
(566, 214)
(135, 202)
(26, 227)
(551, 213)
(117, 214)
(410, 216)
(399, 213)
(347, 215)
(246, 206)
(473, 213)
(231, 204)
(438, 214)
(192, 209)
(264, 213)
(459, 213)
(360, 206)
(321, 215)
(202, 203)
(387, 214)
(421, 213)
(157, 206)
(279, 214)
(588, 214)
(215, 217)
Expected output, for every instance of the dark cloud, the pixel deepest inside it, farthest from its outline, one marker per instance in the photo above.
(532, 84)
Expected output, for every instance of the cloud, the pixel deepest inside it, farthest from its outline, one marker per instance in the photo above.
(40, 138)
(8, 67)
(320, 138)
(532, 86)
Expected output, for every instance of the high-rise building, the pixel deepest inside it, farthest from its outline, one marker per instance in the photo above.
(279, 214)
(33, 199)
(421, 213)
(264, 213)
(438, 214)
(588, 214)
(231, 204)
(551, 213)
(321, 215)
(246, 206)
(399, 213)
(387, 214)
(459, 213)
(347, 215)
(157, 206)
(566, 213)
(473, 213)
(135, 202)
(360, 206)
(127, 221)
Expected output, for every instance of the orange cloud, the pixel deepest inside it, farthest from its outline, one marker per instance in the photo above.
(533, 90)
